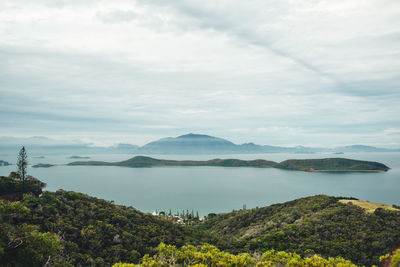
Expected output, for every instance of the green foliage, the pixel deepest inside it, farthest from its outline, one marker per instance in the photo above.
(318, 224)
(10, 185)
(22, 244)
(209, 255)
(91, 231)
(73, 229)
(396, 259)
(22, 163)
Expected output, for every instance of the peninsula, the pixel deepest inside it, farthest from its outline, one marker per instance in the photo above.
(313, 165)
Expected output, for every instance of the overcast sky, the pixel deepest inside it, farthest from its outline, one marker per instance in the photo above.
(278, 72)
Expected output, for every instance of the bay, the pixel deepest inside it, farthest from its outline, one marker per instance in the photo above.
(214, 189)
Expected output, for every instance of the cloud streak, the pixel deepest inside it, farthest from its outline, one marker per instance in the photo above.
(272, 72)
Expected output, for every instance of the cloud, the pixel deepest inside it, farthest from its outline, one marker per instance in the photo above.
(270, 72)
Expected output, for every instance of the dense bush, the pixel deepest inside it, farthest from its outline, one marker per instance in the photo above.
(9, 185)
(318, 224)
(72, 229)
(209, 255)
(89, 231)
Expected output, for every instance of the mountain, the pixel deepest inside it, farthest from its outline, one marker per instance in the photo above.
(206, 144)
(362, 148)
(184, 144)
(189, 144)
(319, 165)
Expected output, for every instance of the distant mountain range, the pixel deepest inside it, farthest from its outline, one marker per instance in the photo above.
(184, 144)
(205, 144)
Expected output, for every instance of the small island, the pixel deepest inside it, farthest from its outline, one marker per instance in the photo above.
(43, 165)
(311, 165)
(78, 157)
(4, 163)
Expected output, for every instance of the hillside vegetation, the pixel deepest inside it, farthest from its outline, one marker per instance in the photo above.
(78, 230)
(331, 164)
(209, 255)
(319, 224)
(73, 229)
(367, 205)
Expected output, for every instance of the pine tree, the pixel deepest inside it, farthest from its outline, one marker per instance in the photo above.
(22, 164)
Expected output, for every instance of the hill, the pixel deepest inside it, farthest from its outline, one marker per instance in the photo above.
(319, 224)
(189, 144)
(78, 230)
(141, 161)
(330, 164)
(73, 229)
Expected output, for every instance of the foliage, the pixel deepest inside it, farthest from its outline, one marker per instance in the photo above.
(396, 259)
(22, 244)
(69, 228)
(369, 206)
(209, 255)
(22, 163)
(318, 224)
(10, 185)
(92, 232)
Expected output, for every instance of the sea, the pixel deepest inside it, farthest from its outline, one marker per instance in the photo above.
(213, 189)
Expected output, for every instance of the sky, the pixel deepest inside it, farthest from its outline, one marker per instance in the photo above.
(276, 72)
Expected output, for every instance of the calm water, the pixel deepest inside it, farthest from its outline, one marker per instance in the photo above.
(215, 189)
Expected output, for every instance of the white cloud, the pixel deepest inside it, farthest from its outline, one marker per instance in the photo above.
(304, 72)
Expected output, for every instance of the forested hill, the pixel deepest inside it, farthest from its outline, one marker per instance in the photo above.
(329, 164)
(74, 229)
(318, 224)
(141, 161)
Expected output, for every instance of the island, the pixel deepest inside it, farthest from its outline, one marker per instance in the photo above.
(4, 163)
(43, 165)
(311, 165)
(78, 157)
(332, 165)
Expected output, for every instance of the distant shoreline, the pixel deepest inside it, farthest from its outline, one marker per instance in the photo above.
(307, 165)
(349, 170)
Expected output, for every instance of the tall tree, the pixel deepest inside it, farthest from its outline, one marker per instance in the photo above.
(22, 164)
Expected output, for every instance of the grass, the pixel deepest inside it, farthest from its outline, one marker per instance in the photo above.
(368, 206)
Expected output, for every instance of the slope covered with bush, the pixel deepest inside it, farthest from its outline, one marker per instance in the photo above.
(319, 224)
(209, 255)
(84, 231)
(73, 229)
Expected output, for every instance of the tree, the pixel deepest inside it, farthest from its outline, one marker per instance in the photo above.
(22, 164)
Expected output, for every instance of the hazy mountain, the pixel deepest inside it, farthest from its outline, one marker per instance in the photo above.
(362, 148)
(190, 144)
(39, 145)
(184, 144)
(206, 144)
